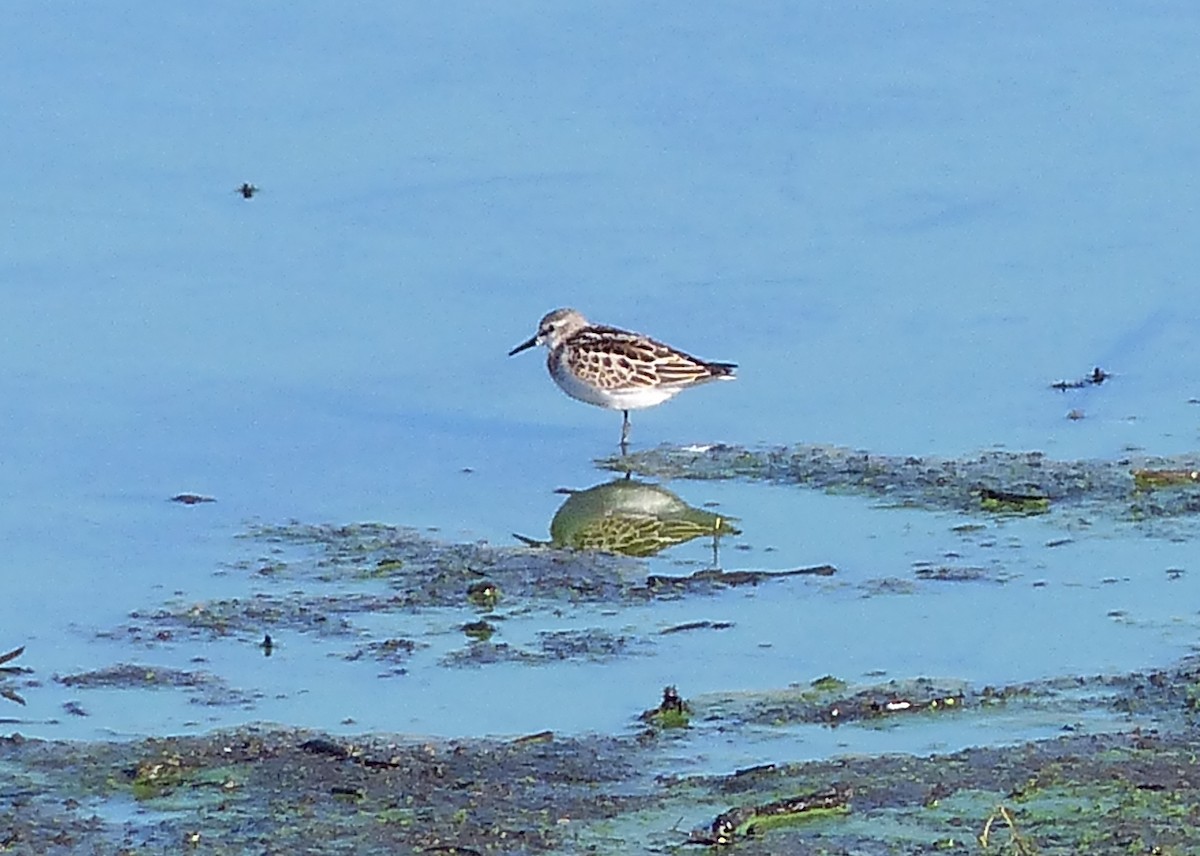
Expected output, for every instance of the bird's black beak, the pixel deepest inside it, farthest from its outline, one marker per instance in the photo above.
(524, 346)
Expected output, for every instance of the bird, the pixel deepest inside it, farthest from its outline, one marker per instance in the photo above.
(616, 369)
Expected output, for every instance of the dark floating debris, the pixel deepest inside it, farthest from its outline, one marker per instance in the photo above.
(247, 190)
(191, 498)
(1097, 377)
(11, 655)
(479, 630)
(484, 594)
(1009, 502)
(394, 651)
(752, 820)
(349, 792)
(696, 625)
(324, 746)
(961, 574)
(721, 579)
(5, 671)
(672, 711)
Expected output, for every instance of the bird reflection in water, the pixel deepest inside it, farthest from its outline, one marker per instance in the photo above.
(632, 518)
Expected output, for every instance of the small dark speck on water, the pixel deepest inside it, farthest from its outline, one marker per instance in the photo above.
(1097, 377)
(191, 498)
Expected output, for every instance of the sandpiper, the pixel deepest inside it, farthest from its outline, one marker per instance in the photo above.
(616, 369)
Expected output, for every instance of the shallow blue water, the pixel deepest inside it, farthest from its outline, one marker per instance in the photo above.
(902, 223)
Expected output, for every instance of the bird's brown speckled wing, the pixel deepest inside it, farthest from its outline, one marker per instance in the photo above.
(617, 359)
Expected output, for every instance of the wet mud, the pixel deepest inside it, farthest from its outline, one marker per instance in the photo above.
(1136, 486)
(279, 790)
(323, 580)
(203, 687)
(1126, 786)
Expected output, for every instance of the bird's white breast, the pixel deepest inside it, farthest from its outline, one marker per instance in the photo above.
(623, 398)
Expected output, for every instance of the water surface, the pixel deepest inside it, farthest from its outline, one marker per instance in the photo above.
(902, 224)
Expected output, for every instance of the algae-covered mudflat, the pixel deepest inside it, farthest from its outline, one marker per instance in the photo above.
(279, 790)
(296, 559)
(1064, 763)
(1134, 486)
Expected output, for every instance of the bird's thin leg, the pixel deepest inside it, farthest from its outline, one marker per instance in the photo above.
(625, 431)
